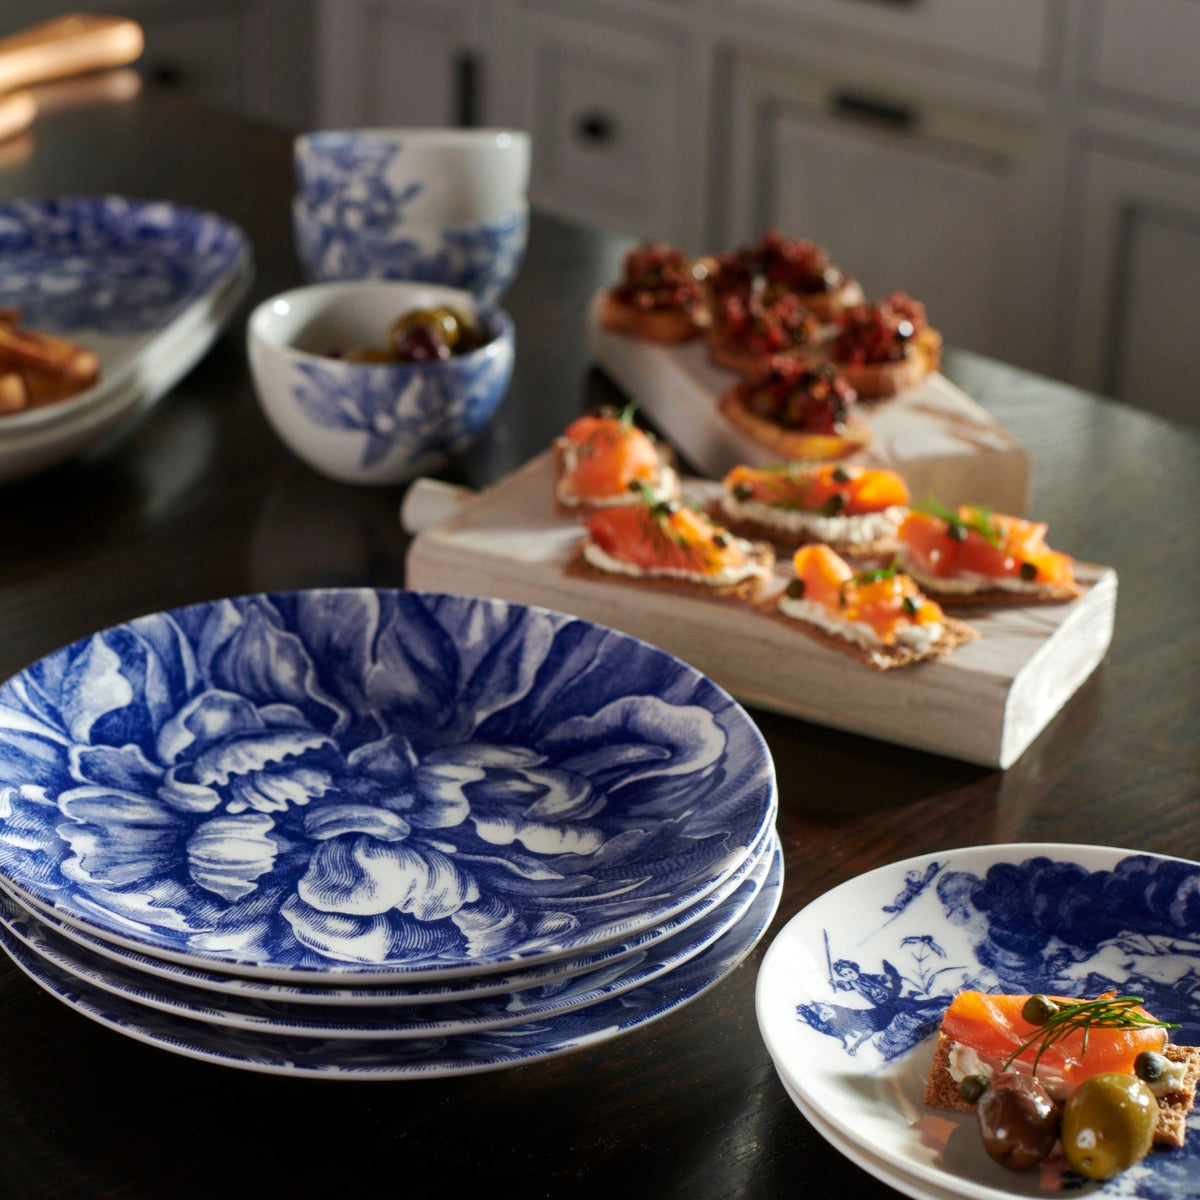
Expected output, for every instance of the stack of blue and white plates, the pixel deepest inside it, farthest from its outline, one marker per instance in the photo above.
(378, 834)
(144, 284)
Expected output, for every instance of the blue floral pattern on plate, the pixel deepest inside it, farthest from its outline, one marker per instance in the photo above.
(371, 784)
(421, 410)
(396, 1021)
(854, 986)
(460, 1054)
(376, 995)
(111, 264)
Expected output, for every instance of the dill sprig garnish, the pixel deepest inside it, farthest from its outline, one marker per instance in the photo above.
(980, 521)
(1105, 1012)
(662, 532)
(862, 578)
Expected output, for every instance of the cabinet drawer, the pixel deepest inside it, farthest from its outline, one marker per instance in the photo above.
(1154, 59)
(603, 106)
(1013, 33)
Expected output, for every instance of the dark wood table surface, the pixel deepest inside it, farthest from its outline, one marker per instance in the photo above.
(202, 501)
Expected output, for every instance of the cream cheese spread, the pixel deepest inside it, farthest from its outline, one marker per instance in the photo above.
(665, 487)
(908, 634)
(861, 527)
(753, 568)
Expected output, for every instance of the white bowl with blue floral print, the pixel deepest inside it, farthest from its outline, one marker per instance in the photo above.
(445, 206)
(365, 422)
(481, 257)
(358, 785)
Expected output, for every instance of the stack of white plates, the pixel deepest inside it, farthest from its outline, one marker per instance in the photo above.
(853, 988)
(378, 834)
(146, 285)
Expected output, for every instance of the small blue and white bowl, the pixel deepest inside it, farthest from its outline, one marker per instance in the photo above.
(481, 257)
(372, 423)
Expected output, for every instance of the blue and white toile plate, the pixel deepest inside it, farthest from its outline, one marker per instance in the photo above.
(854, 986)
(398, 1021)
(463, 1054)
(611, 956)
(353, 786)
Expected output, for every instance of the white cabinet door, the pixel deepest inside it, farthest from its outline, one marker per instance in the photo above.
(608, 107)
(398, 62)
(1137, 287)
(907, 191)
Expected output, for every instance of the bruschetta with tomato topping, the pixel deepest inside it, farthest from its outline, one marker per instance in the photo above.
(661, 296)
(604, 460)
(879, 617)
(797, 409)
(669, 545)
(855, 510)
(885, 347)
(748, 327)
(972, 555)
(797, 265)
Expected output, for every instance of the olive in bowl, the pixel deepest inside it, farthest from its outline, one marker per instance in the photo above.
(338, 387)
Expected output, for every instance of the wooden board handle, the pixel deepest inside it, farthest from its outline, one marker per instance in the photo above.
(66, 46)
(17, 111)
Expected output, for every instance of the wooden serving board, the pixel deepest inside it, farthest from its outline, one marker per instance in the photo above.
(983, 704)
(934, 435)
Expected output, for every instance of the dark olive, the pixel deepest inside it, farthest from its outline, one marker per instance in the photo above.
(1108, 1124)
(1038, 1009)
(1017, 1120)
(1149, 1065)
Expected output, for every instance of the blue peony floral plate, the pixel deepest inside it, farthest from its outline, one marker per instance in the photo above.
(356, 786)
(853, 988)
(127, 278)
(397, 1021)
(461, 1054)
(556, 971)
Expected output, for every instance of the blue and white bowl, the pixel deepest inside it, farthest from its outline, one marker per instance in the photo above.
(371, 786)
(372, 423)
(481, 257)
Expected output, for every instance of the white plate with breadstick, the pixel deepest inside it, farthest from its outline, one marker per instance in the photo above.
(889, 1005)
(96, 292)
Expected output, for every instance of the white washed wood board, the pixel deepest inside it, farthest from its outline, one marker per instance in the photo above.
(984, 704)
(942, 443)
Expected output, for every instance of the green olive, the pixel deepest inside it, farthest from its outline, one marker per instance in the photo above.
(1108, 1124)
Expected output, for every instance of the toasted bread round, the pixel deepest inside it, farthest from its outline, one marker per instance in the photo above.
(875, 381)
(792, 443)
(654, 325)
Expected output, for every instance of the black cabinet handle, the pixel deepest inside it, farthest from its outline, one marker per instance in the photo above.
(595, 127)
(859, 107)
(466, 78)
(166, 74)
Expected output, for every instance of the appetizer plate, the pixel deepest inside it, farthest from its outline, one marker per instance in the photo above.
(351, 786)
(116, 275)
(152, 970)
(112, 412)
(399, 1021)
(854, 986)
(411, 1058)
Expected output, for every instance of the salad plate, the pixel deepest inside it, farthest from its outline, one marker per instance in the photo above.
(853, 988)
(461, 1054)
(400, 1021)
(152, 970)
(351, 786)
(117, 275)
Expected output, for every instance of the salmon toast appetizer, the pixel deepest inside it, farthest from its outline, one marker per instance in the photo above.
(1062, 1042)
(604, 460)
(748, 327)
(971, 555)
(885, 347)
(797, 409)
(879, 617)
(660, 298)
(854, 510)
(667, 545)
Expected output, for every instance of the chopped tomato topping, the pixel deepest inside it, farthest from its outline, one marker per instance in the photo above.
(658, 536)
(884, 600)
(978, 542)
(994, 1028)
(797, 264)
(878, 333)
(611, 454)
(657, 276)
(797, 395)
(762, 323)
(832, 490)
